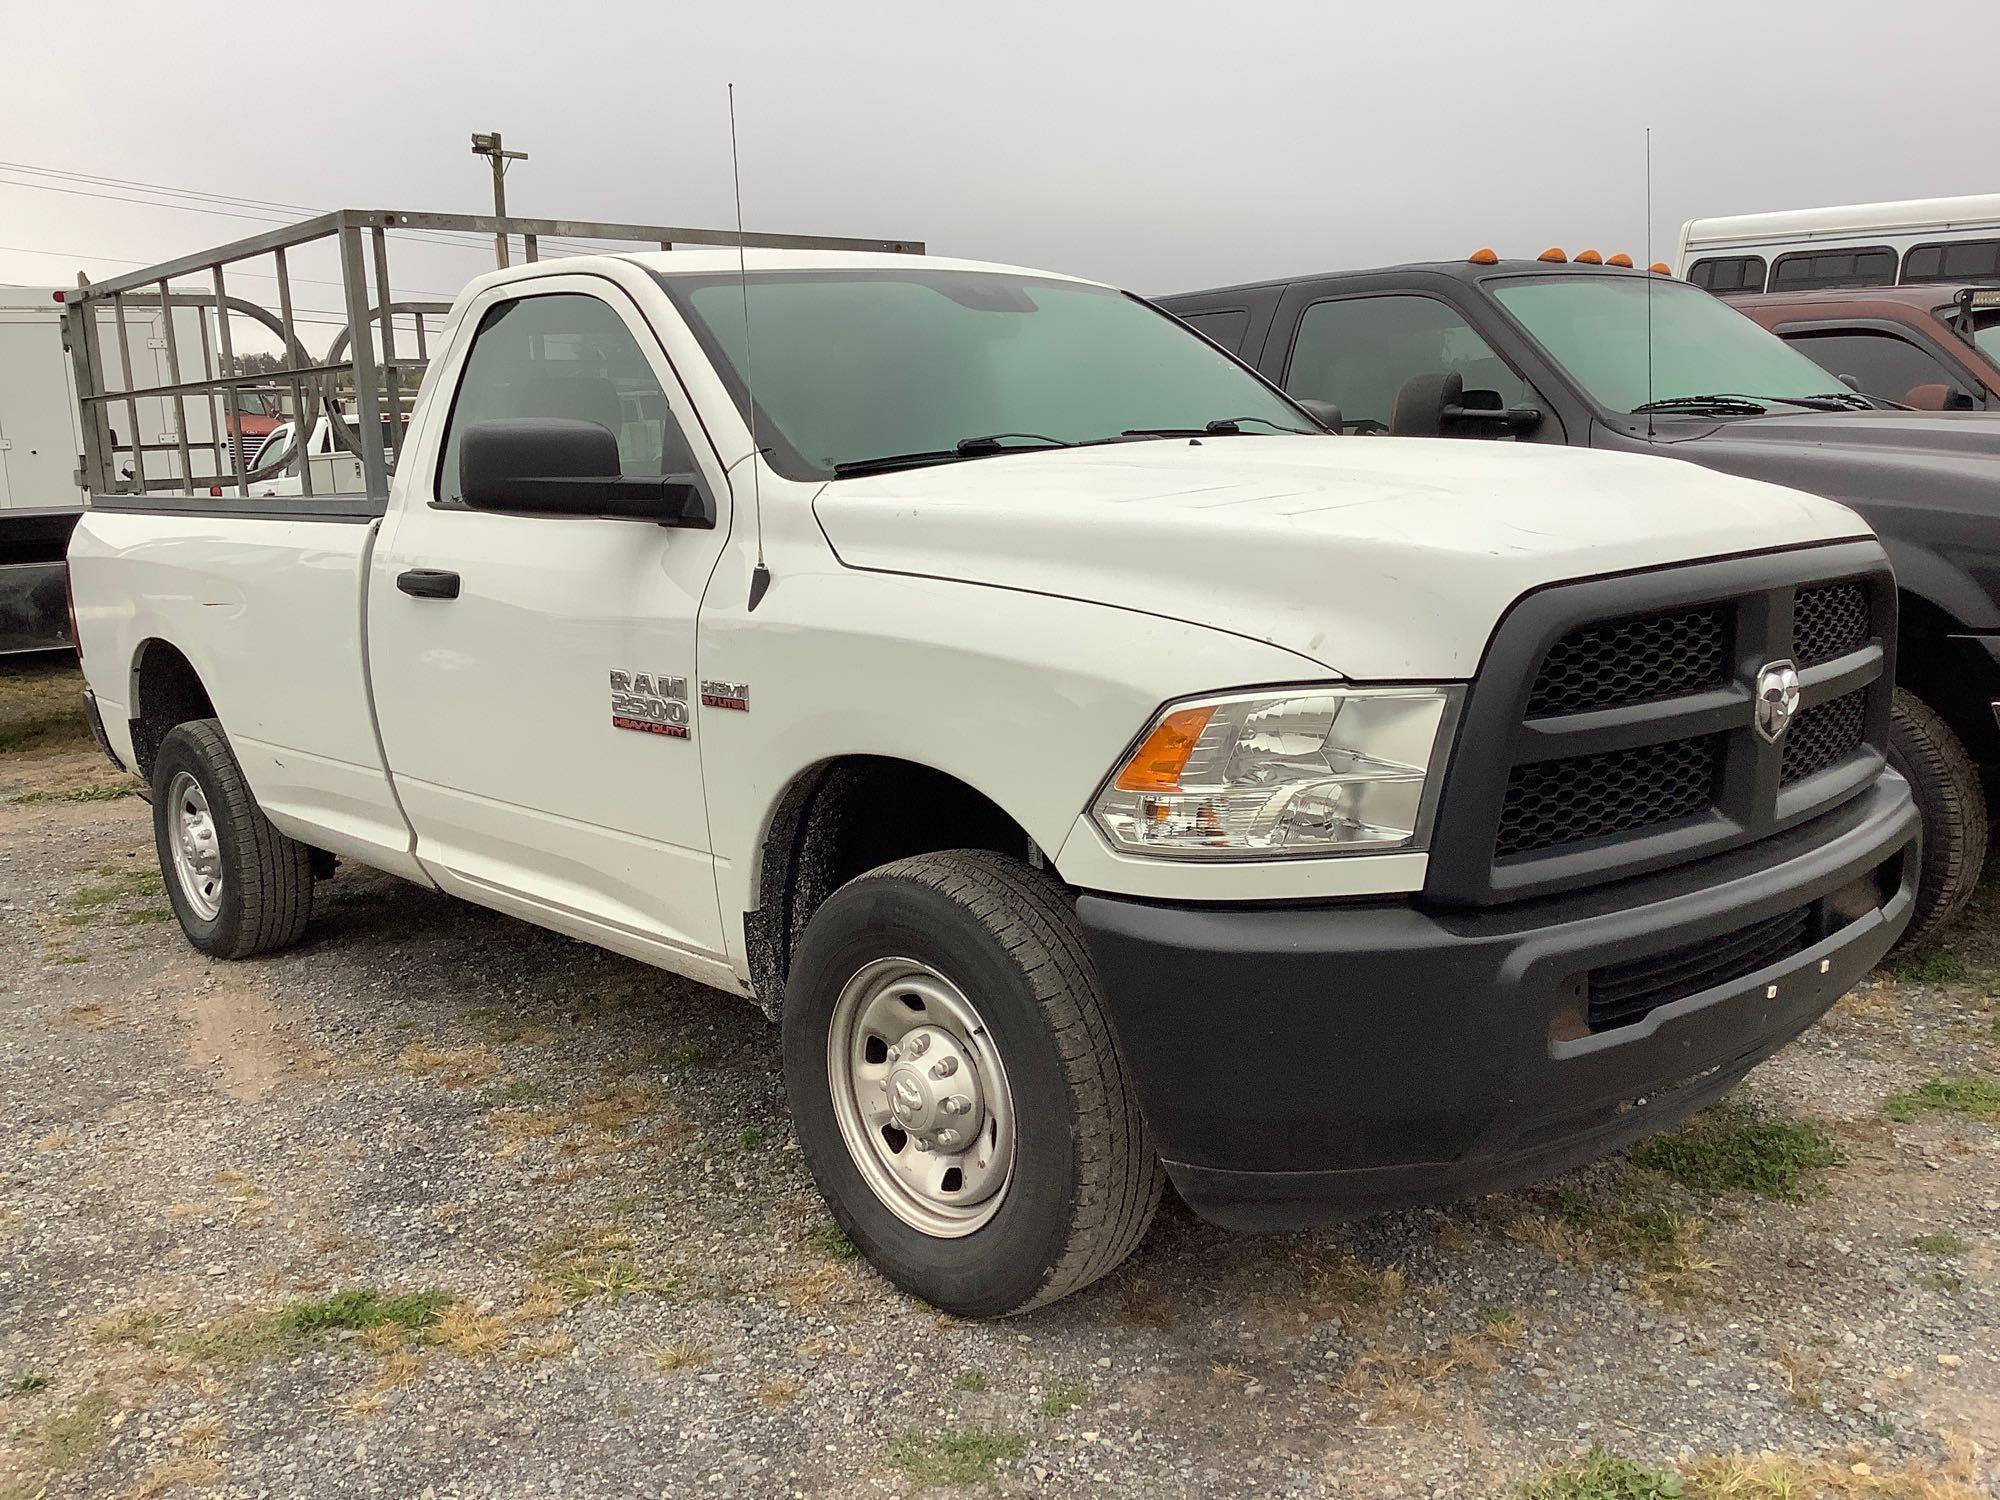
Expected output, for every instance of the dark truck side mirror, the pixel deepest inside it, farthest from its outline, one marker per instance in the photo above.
(1323, 412)
(558, 466)
(1439, 405)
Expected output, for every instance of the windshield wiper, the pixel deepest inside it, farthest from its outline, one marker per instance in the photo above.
(1831, 401)
(1220, 427)
(1737, 405)
(969, 447)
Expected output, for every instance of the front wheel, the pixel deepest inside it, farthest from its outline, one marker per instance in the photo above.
(237, 885)
(955, 1087)
(1952, 804)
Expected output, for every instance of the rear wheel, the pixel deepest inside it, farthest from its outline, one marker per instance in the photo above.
(237, 885)
(1952, 803)
(955, 1088)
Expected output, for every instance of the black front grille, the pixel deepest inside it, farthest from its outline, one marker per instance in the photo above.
(1829, 621)
(1622, 994)
(1824, 735)
(1556, 802)
(1640, 660)
(1612, 730)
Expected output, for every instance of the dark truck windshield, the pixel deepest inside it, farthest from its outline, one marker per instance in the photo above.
(856, 366)
(1595, 328)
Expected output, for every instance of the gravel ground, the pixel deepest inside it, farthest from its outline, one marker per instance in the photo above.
(581, 1256)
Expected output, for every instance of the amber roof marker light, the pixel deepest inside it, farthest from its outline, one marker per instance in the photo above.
(1620, 259)
(1483, 256)
(1553, 255)
(1589, 258)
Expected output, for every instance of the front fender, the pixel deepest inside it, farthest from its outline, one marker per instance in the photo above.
(1025, 698)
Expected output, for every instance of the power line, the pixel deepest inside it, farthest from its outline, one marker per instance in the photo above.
(124, 260)
(582, 247)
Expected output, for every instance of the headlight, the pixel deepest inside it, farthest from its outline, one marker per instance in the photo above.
(1311, 771)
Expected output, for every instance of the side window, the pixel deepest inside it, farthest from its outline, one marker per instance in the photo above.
(1957, 260)
(1883, 365)
(564, 355)
(1357, 352)
(1810, 268)
(1724, 274)
(1225, 328)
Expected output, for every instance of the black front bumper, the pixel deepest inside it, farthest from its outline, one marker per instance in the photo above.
(1301, 1064)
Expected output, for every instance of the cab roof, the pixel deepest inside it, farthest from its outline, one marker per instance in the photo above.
(1459, 270)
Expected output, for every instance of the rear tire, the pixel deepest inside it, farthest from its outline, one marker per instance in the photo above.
(237, 885)
(982, 956)
(1952, 803)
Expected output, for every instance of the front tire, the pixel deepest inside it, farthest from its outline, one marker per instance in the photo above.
(955, 1088)
(238, 886)
(1952, 803)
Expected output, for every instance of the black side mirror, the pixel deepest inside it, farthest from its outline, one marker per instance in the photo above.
(1323, 412)
(1960, 401)
(1439, 405)
(558, 466)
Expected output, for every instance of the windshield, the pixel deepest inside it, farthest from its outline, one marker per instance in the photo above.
(1986, 335)
(1595, 328)
(853, 366)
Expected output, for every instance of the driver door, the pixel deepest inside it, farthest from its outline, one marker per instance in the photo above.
(537, 714)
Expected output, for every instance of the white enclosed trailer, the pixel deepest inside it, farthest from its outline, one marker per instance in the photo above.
(41, 443)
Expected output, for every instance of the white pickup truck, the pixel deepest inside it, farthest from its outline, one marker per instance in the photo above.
(1101, 775)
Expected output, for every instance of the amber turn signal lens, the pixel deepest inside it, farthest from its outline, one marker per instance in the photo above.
(1156, 766)
(1484, 256)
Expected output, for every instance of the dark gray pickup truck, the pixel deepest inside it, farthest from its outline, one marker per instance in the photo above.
(1598, 355)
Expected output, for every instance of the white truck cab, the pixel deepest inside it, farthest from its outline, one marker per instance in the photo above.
(1101, 774)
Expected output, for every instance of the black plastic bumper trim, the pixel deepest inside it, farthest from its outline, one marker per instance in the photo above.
(1298, 1065)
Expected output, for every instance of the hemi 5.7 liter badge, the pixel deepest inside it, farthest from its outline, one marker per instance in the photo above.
(734, 695)
(650, 702)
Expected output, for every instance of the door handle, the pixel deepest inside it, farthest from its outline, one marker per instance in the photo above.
(429, 583)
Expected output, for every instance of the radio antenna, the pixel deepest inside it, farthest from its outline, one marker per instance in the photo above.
(760, 576)
(1651, 276)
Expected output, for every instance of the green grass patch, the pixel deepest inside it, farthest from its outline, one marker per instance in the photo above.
(1942, 1281)
(959, 1457)
(514, 1091)
(1601, 1475)
(1931, 966)
(750, 1137)
(68, 1440)
(970, 1380)
(1939, 1244)
(27, 1383)
(358, 1308)
(1977, 1097)
(110, 791)
(1731, 1149)
(1064, 1397)
(41, 708)
(831, 1242)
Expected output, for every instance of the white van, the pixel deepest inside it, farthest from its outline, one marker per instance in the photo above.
(1863, 244)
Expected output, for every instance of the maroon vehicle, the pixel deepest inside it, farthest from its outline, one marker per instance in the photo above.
(1934, 346)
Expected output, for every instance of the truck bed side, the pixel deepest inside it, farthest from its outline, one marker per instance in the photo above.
(267, 611)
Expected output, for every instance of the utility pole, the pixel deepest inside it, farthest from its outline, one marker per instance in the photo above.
(487, 144)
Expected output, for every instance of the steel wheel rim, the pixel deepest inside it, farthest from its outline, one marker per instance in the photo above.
(197, 850)
(921, 1097)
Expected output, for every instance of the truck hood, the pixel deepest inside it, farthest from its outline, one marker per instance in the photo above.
(1952, 435)
(1928, 482)
(1378, 560)
(1926, 459)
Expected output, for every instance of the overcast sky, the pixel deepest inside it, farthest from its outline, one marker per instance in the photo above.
(1162, 146)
